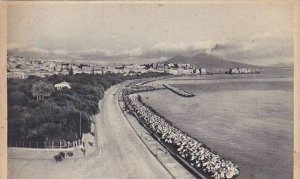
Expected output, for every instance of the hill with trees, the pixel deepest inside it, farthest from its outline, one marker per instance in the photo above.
(38, 112)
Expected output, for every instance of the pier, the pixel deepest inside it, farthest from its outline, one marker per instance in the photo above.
(178, 91)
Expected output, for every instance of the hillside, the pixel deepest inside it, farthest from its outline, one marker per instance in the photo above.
(207, 61)
(55, 115)
(283, 65)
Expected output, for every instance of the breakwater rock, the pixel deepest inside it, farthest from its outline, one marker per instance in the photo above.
(196, 156)
(178, 91)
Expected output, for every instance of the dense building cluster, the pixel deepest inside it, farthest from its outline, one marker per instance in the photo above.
(241, 71)
(195, 153)
(20, 67)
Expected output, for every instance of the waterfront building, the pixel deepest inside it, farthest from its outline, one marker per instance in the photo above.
(239, 71)
(187, 71)
(172, 71)
(203, 71)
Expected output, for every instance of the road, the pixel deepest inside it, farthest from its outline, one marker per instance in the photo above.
(122, 154)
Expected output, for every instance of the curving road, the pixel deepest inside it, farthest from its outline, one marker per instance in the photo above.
(122, 154)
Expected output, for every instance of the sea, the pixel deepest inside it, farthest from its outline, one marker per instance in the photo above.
(246, 118)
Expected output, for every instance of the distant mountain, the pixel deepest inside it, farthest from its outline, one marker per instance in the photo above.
(208, 61)
(283, 65)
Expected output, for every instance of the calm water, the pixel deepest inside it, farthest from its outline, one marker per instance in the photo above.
(247, 119)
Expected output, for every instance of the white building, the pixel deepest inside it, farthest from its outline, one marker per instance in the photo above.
(240, 71)
(39, 74)
(16, 74)
(173, 71)
(203, 71)
(187, 71)
(60, 86)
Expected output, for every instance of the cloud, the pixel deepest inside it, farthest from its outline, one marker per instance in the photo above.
(60, 52)
(37, 50)
(12, 46)
(259, 49)
(170, 49)
(99, 52)
(161, 51)
(136, 52)
(181, 46)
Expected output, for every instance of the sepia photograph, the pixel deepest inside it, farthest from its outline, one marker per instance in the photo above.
(149, 90)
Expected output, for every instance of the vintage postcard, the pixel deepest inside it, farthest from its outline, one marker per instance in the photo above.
(149, 89)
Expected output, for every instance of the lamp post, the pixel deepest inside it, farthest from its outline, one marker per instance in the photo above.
(80, 124)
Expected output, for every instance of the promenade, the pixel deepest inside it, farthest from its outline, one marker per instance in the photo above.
(122, 154)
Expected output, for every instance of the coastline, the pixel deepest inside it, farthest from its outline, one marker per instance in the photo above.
(102, 140)
(235, 135)
(157, 149)
(189, 152)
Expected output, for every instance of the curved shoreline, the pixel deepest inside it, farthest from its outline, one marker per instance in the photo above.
(230, 128)
(213, 171)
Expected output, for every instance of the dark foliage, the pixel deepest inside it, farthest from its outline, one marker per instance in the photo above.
(57, 117)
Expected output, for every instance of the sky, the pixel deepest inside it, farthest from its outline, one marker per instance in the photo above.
(260, 34)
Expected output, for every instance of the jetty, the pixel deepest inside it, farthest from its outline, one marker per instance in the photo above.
(195, 156)
(178, 91)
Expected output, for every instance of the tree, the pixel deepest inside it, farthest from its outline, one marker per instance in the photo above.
(71, 71)
(17, 98)
(93, 70)
(41, 89)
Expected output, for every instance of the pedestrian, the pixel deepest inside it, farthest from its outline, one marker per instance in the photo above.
(83, 150)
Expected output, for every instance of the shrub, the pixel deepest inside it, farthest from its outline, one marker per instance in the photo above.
(41, 89)
(17, 98)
